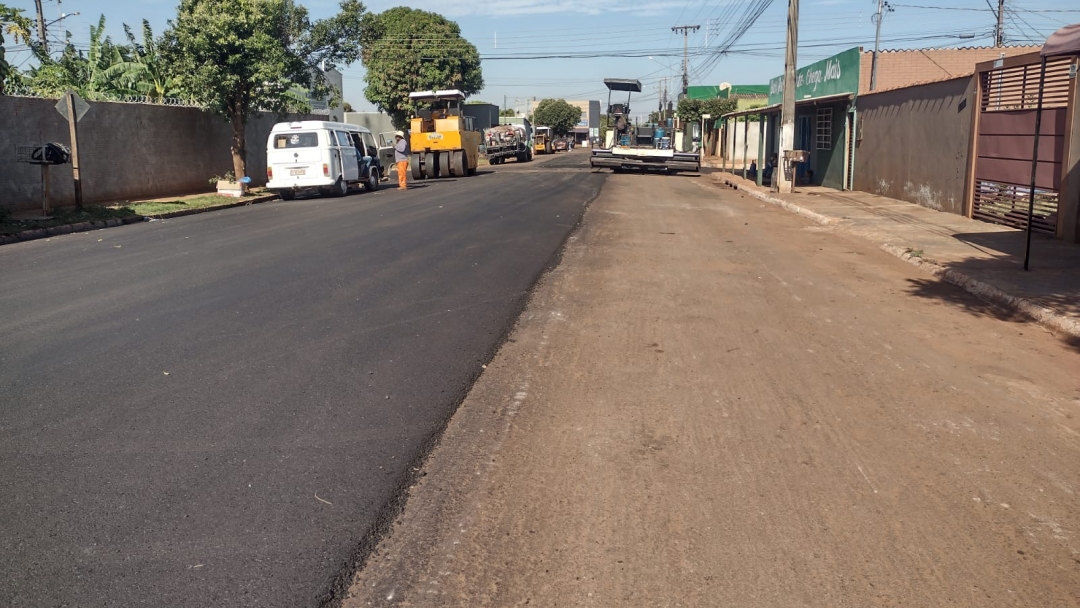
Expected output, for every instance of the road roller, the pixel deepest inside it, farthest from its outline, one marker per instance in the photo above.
(444, 142)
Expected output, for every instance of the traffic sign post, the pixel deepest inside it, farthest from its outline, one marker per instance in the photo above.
(73, 108)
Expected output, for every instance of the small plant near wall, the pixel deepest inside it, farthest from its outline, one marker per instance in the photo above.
(228, 177)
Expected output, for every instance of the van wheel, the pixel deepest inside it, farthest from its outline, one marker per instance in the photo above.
(340, 187)
(286, 195)
(372, 183)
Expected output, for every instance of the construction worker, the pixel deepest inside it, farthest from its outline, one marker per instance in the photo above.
(401, 159)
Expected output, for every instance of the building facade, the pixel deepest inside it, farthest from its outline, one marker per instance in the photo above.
(589, 125)
(833, 103)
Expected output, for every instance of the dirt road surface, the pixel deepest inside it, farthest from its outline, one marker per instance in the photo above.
(712, 402)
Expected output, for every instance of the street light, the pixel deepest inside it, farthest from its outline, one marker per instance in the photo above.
(62, 17)
(43, 27)
(663, 94)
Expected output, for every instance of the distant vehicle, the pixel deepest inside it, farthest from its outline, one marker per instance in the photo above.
(561, 145)
(621, 151)
(507, 141)
(444, 142)
(329, 157)
(542, 143)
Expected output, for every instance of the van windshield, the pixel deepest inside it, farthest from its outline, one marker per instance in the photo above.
(296, 140)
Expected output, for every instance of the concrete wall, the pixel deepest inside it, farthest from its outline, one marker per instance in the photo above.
(127, 151)
(734, 144)
(912, 143)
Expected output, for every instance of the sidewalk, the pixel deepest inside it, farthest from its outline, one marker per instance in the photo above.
(985, 259)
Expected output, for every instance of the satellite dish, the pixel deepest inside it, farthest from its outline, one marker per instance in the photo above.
(725, 85)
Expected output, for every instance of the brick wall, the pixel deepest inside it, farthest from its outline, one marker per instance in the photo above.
(903, 68)
(126, 151)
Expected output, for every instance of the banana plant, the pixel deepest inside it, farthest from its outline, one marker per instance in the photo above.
(146, 71)
(14, 24)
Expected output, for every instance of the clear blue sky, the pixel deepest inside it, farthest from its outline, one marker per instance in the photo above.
(507, 31)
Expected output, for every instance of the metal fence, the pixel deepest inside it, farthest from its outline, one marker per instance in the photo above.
(143, 99)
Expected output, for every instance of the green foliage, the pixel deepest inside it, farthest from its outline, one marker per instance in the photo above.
(507, 112)
(605, 126)
(146, 71)
(347, 107)
(557, 114)
(92, 75)
(691, 110)
(241, 56)
(14, 24)
(406, 50)
(228, 177)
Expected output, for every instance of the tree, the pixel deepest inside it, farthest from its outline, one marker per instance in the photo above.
(147, 72)
(557, 114)
(14, 24)
(406, 50)
(243, 56)
(507, 112)
(347, 107)
(87, 74)
(691, 110)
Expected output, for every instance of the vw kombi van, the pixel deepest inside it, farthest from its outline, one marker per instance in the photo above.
(330, 157)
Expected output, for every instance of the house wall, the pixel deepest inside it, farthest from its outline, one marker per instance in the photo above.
(735, 137)
(126, 151)
(912, 143)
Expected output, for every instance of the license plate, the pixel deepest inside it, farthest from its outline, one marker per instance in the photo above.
(297, 171)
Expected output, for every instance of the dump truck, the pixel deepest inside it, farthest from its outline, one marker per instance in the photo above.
(444, 142)
(621, 151)
(507, 141)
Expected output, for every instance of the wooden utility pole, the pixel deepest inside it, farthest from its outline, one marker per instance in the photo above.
(999, 31)
(877, 45)
(42, 37)
(781, 172)
(685, 29)
(72, 119)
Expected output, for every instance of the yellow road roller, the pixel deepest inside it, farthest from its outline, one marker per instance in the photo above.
(444, 142)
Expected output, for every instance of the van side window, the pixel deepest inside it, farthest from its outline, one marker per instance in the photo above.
(343, 139)
(296, 140)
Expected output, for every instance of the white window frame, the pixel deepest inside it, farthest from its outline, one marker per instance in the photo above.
(823, 129)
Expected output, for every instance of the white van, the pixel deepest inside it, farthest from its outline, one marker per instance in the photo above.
(328, 156)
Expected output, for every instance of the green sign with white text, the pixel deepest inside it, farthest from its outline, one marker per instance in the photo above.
(832, 76)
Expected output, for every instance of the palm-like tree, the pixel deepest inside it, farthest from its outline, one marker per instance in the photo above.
(146, 70)
(14, 24)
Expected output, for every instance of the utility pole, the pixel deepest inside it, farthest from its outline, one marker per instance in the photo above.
(882, 8)
(685, 29)
(42, 38)
(999, 31)
(787, 112)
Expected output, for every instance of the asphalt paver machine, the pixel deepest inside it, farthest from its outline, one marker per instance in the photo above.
(620, 150)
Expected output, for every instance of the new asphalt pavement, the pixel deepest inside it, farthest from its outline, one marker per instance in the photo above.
(225, 409)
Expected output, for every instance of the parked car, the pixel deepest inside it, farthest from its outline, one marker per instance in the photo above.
(330, 157)
(561, 145)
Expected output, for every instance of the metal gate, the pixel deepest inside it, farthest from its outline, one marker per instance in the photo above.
(1008, 95)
